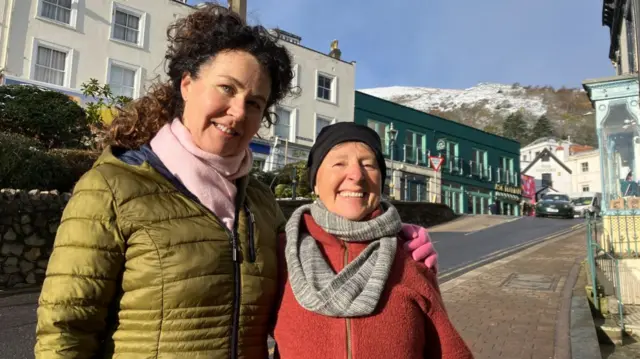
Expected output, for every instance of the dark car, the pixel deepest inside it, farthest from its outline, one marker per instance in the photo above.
(555, 205)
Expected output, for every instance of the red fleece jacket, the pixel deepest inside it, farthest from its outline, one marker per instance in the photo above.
(409, 322)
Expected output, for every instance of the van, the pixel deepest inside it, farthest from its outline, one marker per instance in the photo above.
(586, 203)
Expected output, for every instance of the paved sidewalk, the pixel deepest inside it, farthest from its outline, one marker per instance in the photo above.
(516, 307)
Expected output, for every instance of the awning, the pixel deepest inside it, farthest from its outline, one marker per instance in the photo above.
(507, 196)
(260, 148)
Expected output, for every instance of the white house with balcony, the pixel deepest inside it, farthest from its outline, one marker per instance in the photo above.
(60, 44)
(325, 95)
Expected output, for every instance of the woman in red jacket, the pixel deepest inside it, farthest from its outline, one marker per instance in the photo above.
(349, 292)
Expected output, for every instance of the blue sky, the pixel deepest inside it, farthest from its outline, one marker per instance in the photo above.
(451, 44)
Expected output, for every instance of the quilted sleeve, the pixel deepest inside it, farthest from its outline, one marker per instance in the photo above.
(82, 275)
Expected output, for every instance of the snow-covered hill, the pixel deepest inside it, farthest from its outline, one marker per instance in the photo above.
(496, 98)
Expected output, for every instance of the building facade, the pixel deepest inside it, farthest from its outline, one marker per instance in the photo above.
(60, 44)
(478, 169)
(585, 167)
(324, 94)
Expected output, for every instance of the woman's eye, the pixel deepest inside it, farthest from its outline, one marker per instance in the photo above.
(338, 164)
(226, 89)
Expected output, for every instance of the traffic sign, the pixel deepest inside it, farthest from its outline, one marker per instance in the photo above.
(436, 162)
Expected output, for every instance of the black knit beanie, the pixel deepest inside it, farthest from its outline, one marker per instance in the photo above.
(341, 132)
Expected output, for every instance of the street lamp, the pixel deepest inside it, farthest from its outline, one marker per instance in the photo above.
(393, 134)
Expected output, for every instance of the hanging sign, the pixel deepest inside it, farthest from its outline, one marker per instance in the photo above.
(441, 145)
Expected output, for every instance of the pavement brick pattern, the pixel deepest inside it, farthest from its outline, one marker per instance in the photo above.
(508, 309)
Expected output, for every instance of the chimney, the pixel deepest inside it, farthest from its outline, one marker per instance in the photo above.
(239, 7)
(335, 51)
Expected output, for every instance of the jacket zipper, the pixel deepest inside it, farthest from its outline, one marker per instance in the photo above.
(155, 162)
(347, 320)
(251, 222)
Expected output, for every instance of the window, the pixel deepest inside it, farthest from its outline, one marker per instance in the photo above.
(50, 65)
(585, 166)
(545, 157)
(415, 146)
(325, 87)
(56, 10)
(547, 180)
(321, 123)
(282, 128)
(524, 158)
(122, 81)
(381, 129)
(480, 162)
(631, 40)
(128, 25)
(258, 164)
(585, 188)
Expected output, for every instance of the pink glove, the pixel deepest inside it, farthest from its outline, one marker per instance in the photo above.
(418, 243)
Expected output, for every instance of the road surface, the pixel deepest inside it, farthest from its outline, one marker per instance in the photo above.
(459, 251)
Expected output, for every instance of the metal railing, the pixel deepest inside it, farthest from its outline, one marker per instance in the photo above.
(414, 155)
(607, 265)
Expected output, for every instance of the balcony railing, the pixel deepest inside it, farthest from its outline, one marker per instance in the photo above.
(461, 167)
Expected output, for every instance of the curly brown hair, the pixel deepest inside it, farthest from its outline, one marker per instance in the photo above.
(193, 41)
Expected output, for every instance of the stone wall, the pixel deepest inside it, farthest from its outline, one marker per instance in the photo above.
(420, 213)
(28, 223)
(29, 220)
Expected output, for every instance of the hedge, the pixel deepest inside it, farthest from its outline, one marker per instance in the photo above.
(49, 116)
(26, 164)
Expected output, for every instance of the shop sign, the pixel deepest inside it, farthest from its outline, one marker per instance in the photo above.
(441, 144)
(508, 189)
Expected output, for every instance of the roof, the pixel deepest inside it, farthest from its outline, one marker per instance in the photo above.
(543, 140)
(540, 155)
(573, 149)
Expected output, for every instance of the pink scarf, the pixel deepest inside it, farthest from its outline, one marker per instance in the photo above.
(209, 177)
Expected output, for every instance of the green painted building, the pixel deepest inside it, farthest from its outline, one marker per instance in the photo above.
(478, 168)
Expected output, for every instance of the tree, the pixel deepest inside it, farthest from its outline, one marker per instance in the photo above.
(515, 128)
(542, 128)
(50, 117)
(105, 101)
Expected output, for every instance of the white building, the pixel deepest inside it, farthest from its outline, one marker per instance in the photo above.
(61, 44)
(586, 171)
(325, 95)
(561, 165)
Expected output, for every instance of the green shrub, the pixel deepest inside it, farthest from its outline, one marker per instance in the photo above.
(51, 117)
(25, 164)
(76, 162)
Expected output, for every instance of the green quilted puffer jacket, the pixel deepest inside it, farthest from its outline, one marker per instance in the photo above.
(140, 269)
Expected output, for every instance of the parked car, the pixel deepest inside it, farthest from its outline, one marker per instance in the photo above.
(586, 203)
(555, 205)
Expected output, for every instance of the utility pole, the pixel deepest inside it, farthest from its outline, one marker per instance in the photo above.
(239, 7)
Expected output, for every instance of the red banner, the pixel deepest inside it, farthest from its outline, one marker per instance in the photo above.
(528, 186)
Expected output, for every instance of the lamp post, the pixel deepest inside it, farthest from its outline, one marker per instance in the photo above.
(393, 134)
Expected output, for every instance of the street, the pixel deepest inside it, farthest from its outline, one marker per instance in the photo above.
(460, 251)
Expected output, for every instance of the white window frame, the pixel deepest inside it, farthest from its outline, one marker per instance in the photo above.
(315, 123)
(68, 63)
(582, 166)
(296, 75)
(136, 69)
(293, 121)
(73, 19)
(334, 87)
(131, 11)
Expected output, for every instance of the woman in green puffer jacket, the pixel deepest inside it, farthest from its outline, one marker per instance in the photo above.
(167, 248)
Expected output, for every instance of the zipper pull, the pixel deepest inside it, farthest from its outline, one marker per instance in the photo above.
(234, 249)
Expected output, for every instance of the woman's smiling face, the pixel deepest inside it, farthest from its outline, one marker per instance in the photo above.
(348, 181)
(225, 103)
